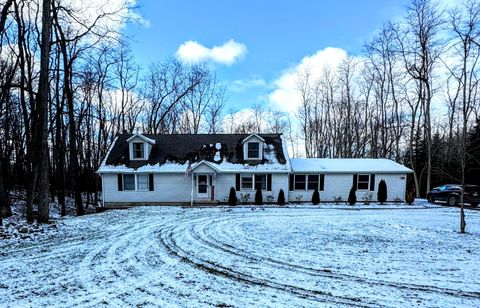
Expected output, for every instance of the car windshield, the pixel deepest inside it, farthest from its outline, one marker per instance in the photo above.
(442, 188)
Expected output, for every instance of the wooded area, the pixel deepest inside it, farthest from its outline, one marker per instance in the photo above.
(412, 97)
(69, 83)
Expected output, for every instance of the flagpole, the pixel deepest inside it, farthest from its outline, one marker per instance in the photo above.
(191, 193)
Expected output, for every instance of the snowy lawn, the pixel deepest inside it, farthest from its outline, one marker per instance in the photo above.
(298, 256)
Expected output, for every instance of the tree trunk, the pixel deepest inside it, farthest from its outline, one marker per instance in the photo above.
(5, 209)
(42, 125)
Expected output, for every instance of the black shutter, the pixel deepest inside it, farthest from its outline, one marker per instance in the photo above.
(355, 178)
(150, 182)
(372, 182)
(322, 181)
(237, 182)
(290, 184)
(269, 182)
(120, 182)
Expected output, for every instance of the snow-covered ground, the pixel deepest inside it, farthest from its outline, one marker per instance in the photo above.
(331, 255)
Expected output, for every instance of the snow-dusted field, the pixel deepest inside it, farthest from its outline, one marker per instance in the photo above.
(302, 256)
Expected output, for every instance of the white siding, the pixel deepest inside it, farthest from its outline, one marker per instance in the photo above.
(223, 182)
(175, 188)
(339, 185)
(167, 188)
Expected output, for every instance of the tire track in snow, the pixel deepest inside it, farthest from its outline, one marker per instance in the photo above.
(207, 239)
(124, 266)
(167, 237)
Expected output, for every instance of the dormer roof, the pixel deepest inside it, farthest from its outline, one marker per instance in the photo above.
(251, 136)
(146, 139)
(207, 163)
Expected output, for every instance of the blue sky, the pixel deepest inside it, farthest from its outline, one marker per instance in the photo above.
(267, 38)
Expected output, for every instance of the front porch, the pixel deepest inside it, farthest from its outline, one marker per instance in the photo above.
(204, 178)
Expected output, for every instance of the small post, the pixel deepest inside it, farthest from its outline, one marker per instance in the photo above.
(191, 193)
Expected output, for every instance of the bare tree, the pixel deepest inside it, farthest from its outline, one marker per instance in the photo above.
(213, 115)
(420, 47)
(41, 123)
(465, 24)
(166, 86)
(206, 99)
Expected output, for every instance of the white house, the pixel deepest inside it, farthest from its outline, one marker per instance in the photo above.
(185, 168)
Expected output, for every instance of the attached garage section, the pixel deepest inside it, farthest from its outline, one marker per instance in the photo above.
(337, 176)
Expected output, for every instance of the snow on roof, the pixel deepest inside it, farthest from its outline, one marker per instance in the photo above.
(347, 165)
(272, 165)
(104, 161)
(171, 167)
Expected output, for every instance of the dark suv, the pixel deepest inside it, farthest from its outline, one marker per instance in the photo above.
(452, 193)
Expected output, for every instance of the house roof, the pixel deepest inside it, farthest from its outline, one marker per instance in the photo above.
(175, 152)
(347, 165)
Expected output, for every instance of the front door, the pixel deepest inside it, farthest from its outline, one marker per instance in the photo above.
(203, 186)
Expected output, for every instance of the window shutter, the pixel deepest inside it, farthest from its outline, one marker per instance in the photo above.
(269, 182)
(237, 182)
(372, 182)
(355, 178)
(322, 181)
(150, 182)
(120, 182)
(291, 182)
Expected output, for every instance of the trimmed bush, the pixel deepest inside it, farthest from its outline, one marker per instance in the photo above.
(352, 197)
(232, 197)
(281, 197)
(382, 192)
(315, 197)
(258, 197)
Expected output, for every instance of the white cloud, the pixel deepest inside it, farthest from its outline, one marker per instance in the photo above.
(285, 96)
(243, 85)
(226, 54)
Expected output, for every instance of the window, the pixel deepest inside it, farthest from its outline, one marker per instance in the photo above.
(300, 181)
(128, 182)
(306, 182)
(261, 181)
(363, 182)
(253, 150)
(135, 182)
(312, 181)
(202, 184)
(137, 150)
(142, 181)
(247, 182)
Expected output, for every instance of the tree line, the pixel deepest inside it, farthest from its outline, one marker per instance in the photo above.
(412, 96)
(69, 83)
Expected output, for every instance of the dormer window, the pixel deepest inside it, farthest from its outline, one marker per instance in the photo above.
(253, 147)
(138, 150)
(253, 150)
